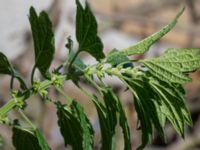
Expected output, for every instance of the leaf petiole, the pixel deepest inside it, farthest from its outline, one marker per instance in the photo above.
(26, 119)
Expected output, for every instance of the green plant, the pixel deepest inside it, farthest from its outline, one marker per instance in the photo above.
(156, 84)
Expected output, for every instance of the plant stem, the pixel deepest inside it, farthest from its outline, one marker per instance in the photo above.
(63, 94)
(12, 103)
(73, 59)
(26, 119)
(94, 84)
(7, 107)
(11, 82)
(32, 74)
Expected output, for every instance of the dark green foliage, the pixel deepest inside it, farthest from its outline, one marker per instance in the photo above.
(115, 58)
(5, 67)
(115, 112)
(43, 38)
(156, 85)
(86, 32)
(105, 125)
(110, 113)
(24, 139)
(42, 142)
(75, 126)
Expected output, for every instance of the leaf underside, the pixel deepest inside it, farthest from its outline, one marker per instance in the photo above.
(144, 45)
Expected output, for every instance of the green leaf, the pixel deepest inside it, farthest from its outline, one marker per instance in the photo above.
(184, 59)
(43, 41)
(24, 139)
(172, 65)
(114, 109)
(115, 58)
(144, 45)
(172, 105)
(7, 68)
(42, 142)
(78, 64)
(75, 126)
(86, 32)
(166, 72)
(146, 109)
(105, 125)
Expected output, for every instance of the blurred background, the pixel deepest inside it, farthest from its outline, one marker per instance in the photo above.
(121, 24)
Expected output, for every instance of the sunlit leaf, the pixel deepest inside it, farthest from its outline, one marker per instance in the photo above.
(144, 45)
(165, 72)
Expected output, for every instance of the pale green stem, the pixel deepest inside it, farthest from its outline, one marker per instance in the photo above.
(26, 119)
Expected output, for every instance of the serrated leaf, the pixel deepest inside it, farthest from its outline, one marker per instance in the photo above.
(125, 128)
(75, 126)
(24, 139)
(185, 59)
(106, 131)
(86, 32)
(144, 99)
(165, 72)
(115, 58)
(172, 106)
(144, 45)
(172, 65)
(43, 38)
(114, 109)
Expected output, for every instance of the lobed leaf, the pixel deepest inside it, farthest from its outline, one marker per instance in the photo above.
(145, 105)
(43, 38)
(75, 126)
(170, 107)
(114, 109)
(165, 72)
(86, 32)
(172, 65)
(185, 59)
(105, 125)
(24, 139)
(144, 45)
